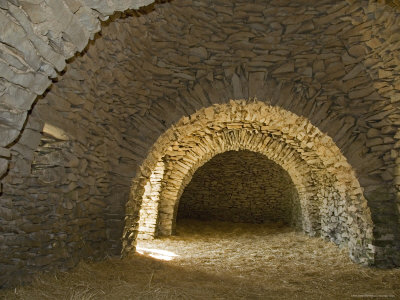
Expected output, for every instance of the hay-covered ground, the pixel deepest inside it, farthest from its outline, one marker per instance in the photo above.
(216, 260)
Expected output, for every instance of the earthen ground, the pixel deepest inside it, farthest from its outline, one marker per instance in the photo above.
(220, 260)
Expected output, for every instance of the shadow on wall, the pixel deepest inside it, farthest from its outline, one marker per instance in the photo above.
(241, 186)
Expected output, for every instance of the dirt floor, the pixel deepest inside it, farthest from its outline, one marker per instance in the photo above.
(215, 260)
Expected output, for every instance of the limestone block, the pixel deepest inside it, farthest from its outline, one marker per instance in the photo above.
(360, 93)
(73, 5)
(71, 27)
(286, 68)
(89, 18)
(357, 50)
(354, 72)
(237, 87)
(7, 135)
(5, 153)
(32, 81)
(3, 166)
(16, 97)
(199, 52)
(384, 73)
(56, 59)
(30, 138)
(15, 36)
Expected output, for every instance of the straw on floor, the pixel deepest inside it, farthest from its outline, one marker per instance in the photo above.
(217, 260)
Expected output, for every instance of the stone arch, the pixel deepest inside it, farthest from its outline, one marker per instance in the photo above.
(327, 186)
(357, 90)
(234, 140)
(44, 55)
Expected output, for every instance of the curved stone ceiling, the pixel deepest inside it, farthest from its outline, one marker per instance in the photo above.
(334, 63)
(37, 44)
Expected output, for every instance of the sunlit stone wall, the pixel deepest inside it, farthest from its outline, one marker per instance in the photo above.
(330, 197)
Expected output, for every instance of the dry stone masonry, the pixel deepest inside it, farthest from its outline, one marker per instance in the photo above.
(240, 186)
(329, 195)
(70, 144)
(36, 39)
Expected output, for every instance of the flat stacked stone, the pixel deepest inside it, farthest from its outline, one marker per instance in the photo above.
(66, 176)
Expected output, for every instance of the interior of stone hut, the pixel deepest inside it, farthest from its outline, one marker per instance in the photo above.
(198, 149)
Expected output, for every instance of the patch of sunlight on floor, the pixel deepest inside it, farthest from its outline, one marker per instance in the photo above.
(157, 253)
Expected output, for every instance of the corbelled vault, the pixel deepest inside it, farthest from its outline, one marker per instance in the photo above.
(108, 109)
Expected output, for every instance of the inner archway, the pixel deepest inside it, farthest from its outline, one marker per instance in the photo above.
(331, 200)
(240, 186)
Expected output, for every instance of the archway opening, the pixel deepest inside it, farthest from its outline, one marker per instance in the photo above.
(330, 198)
(241, 187)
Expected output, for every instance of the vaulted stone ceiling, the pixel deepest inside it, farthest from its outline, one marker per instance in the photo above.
(334, 62)
(38, 43)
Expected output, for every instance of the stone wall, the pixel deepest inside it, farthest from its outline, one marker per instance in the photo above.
(148, 214)
(36, 39)
(240, 187)
(69, 169)
(331, 200)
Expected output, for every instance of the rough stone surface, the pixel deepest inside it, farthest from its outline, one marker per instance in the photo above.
(64, 191)
(240, 187)
(36, 40)
(330, 197)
